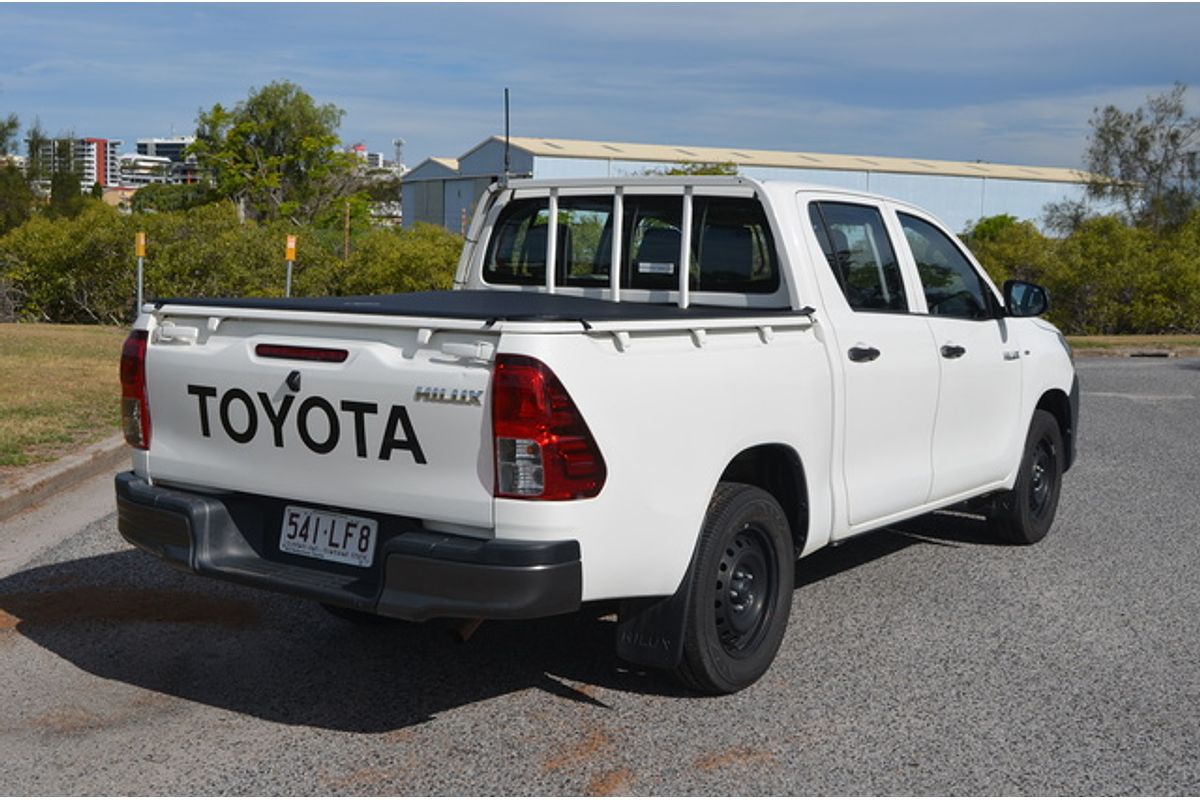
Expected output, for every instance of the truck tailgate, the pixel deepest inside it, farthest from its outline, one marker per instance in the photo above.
(381, 418)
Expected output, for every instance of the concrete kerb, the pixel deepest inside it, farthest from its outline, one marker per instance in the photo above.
(1137, 352)
(43, 482)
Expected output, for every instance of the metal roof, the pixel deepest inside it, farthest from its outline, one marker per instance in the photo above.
(623, 151)
(448, 164)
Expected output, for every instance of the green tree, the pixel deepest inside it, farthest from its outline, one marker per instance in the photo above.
(1009, 248)
(10, 126)
(16, 201)
(696, 168)
(66, 198)
(163, 197)
(36, 169)
(1147, 160)
(275, 153)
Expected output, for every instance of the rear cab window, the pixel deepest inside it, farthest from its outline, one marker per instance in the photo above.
(732, 246)
(858, 251)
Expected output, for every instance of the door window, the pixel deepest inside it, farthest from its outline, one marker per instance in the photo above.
(952, 286)
(856, 245)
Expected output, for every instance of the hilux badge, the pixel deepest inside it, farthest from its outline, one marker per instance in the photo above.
(438, 394)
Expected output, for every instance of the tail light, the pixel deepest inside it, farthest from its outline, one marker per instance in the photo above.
(544, 450)
(135, 411)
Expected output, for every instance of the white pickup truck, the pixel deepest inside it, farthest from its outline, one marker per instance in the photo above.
(616, 428)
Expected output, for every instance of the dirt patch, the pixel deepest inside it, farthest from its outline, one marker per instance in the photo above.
(579, 753)
(69, 720)
(738, 756)
(370, 779)
(102, 604)
(610, 783)
(73, 720)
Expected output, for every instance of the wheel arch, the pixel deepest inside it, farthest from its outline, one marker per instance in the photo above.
(777, 470)
(1060, 406)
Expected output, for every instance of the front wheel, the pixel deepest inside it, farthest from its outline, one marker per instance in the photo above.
(740, 591)
(1024, 514)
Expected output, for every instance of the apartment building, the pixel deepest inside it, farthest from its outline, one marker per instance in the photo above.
(95, 159)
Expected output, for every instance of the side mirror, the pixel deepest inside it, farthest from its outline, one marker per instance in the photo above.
(1024, 299)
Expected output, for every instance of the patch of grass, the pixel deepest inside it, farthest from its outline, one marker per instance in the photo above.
(59, 389)
(1169, 342)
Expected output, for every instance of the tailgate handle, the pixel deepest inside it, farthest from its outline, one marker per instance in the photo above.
(480, 351)
(170, 332)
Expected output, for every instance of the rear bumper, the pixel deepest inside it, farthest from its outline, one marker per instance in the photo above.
(417, 574)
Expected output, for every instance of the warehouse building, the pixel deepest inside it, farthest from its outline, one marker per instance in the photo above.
(444, 191)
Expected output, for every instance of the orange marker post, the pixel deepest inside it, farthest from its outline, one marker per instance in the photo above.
(139, 248)
(290, 254)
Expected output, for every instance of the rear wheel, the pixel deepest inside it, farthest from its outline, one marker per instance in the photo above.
(740, 591)
(1024, 514)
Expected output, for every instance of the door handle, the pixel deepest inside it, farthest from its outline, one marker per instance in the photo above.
(862, 354)
(953, 351)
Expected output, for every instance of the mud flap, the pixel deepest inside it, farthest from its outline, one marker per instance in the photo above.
(650, 630)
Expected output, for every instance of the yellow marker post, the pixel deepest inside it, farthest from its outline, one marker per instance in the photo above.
(291, 257)
(139, 248)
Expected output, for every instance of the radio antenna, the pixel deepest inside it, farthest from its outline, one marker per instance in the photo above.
(504, 180)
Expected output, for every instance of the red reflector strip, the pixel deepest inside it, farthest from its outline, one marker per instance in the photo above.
(327, 354)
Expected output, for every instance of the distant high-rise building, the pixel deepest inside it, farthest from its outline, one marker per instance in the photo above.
(172, 147)
(101, 162)
(366, 158)
(142, 170)
(95, 159)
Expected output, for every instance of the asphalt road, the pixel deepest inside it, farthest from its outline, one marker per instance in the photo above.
(920, 660)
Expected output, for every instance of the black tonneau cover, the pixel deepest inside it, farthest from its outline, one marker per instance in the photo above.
(485, 305)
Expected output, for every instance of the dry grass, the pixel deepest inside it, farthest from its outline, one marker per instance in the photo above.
(59, 389)
(1172, 342)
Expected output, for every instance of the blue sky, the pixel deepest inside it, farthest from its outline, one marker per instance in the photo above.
(1012, 83)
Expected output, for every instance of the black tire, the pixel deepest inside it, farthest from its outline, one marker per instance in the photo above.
(1024, 514)
(739, 591)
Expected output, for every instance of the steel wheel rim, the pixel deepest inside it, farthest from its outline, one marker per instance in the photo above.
(744, 591)
(1041, 478)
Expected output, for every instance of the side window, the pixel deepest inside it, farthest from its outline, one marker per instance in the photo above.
(517, 252)
(952, 286)
(859, 253)
(732, 247)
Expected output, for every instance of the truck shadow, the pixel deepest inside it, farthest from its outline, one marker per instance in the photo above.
(124, 617)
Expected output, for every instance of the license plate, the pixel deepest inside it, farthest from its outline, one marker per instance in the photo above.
(328, 536)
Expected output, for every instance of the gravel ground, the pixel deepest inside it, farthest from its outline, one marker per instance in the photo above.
(920, 660)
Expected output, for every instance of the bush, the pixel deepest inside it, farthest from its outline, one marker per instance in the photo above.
(83, 269)
(77, 269)
(1106, 277)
